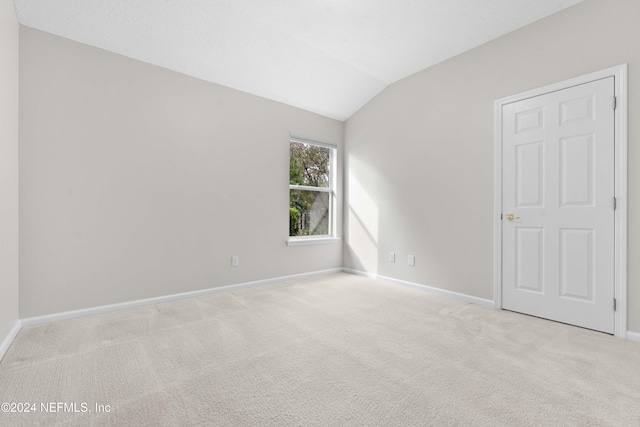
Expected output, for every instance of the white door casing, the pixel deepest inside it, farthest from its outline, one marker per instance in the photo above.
(558, 169)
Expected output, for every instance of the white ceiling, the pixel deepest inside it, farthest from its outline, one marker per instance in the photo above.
(326, 56)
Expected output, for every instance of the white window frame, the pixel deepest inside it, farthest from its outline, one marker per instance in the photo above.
(331, 236)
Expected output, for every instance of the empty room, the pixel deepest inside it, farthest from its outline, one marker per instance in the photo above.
(319, 213)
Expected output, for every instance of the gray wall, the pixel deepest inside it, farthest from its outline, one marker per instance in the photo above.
(8, 168)
(419, 156)
(136, 181)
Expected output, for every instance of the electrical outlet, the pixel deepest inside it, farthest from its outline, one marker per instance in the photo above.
(235, 261)
(412, 260)
(392, 257)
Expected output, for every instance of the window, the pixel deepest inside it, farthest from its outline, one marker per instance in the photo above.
(311, 189)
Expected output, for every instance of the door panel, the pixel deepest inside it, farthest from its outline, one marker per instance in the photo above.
(529, 258)
(529, 174)
(576, 171)
(558, 183)
(576, 264)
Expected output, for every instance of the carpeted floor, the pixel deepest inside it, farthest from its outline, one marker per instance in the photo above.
(330, 351)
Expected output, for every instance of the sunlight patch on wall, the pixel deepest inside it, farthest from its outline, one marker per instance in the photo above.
(363, 227)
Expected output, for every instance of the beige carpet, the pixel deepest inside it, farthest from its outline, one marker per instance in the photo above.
(330, 351)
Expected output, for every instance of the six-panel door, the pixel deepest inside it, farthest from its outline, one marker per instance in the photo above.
(558, 184)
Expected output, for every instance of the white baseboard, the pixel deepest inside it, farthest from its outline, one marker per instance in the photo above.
(6, 342)
(48, 318)
(633, 336)
(4, 345)
(430, 289)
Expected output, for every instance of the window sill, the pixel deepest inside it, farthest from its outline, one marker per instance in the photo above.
(299, 241)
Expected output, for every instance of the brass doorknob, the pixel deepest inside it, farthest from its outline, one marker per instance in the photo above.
(511, 217)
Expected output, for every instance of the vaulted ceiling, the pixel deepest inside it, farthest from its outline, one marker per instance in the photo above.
(326, 56)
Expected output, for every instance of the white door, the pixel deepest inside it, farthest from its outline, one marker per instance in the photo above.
(558, 205)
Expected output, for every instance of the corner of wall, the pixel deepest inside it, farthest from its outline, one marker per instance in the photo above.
(9, 63)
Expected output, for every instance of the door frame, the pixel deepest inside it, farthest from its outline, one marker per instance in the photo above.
(619, 73)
